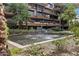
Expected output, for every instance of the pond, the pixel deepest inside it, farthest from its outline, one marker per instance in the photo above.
(30, 38)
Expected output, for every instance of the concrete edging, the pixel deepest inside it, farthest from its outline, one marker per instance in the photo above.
(25, 46)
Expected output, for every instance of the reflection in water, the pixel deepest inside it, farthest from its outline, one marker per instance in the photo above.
(29, 39)
(41, 36)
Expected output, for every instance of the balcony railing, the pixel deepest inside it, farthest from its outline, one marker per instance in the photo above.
(40, 17)
(42, 24)
(47, 11)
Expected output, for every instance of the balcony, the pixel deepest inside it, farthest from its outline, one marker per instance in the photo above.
(42, 24)
(39, 17)
(31, 8)
(9, 14)
(44, 5)
(47, 11)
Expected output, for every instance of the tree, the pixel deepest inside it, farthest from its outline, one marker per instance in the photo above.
(68, 14)
(21, 11)
(3, 33)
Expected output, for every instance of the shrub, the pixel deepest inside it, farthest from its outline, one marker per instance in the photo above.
(15, 51)
(75, 30)
(59, 44)
(64, 45)
(31, 29)
(18, 31)
(35, 51)
(56, 29)
(12, 24)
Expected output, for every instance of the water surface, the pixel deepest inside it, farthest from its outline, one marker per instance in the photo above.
(29, 39)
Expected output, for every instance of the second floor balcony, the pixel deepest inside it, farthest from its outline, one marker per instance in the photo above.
(42, 24)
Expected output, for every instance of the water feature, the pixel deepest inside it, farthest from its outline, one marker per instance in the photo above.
(30, 38)
(34, 37)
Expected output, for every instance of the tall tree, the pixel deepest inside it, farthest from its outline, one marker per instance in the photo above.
(68, 14)
(3, 33)
(21, 11)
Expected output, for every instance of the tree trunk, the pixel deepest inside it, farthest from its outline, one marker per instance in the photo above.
(3, 33)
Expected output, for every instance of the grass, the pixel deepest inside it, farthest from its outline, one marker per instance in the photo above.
(15, 51)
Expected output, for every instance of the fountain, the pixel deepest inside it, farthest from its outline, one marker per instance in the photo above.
(38, 36)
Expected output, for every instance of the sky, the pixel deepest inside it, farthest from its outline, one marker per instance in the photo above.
(77, 11)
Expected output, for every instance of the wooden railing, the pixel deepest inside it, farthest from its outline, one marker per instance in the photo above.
(42, 24)
(39, 17)
(48, 11)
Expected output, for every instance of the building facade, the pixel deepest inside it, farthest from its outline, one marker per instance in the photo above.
(43, 15)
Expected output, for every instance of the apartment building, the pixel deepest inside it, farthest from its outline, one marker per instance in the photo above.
(43, 15)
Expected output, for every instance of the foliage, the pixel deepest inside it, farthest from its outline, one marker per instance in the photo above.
(17, 31)
(68, 14)
(74, 24)
(15, 51)
(75, 28)
(60, 44)
(21, 11)
(6, 29)
(31, 29)
(35, 51)
(77, 42)
(12, 24)
(64, 45)
(56, 29)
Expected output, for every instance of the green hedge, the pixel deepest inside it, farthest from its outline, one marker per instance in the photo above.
(75, 30)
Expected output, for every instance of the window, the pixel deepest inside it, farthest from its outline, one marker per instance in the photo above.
(47, 16)
(39, 14)
(32, 6)
(31, 13)
(50, 5)
(39, 8)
